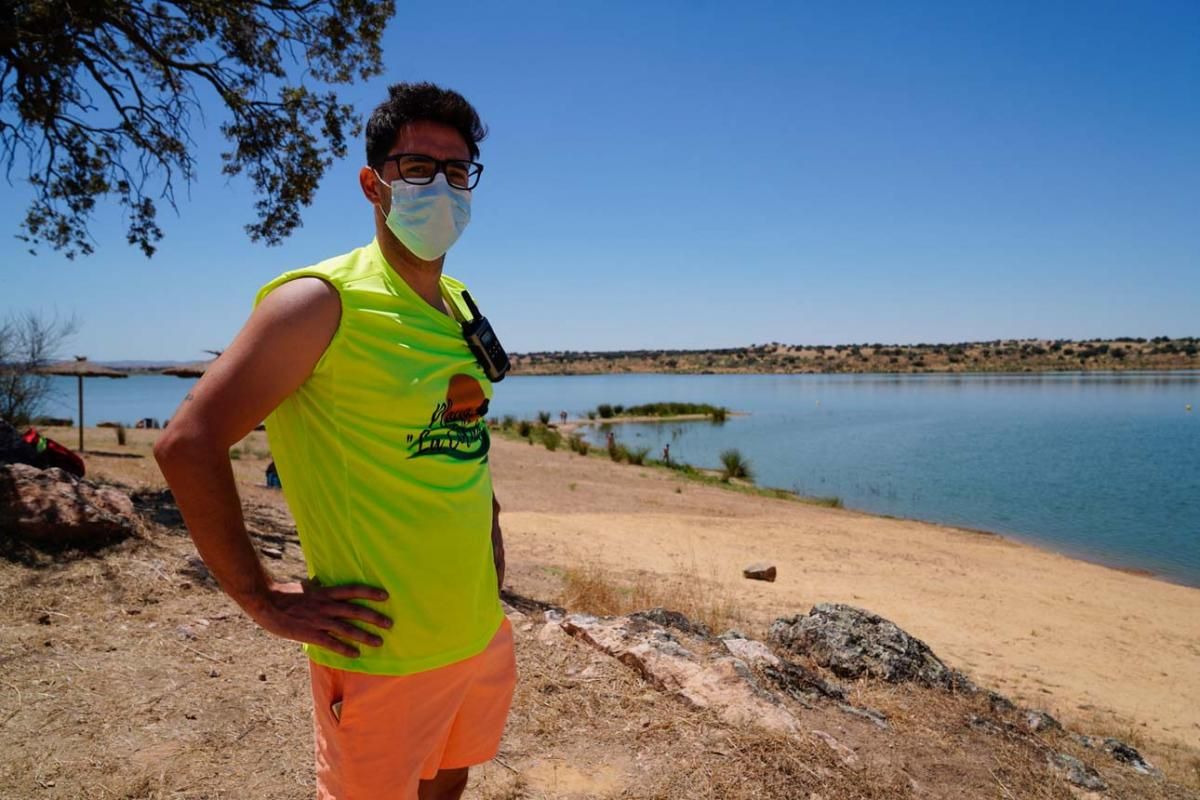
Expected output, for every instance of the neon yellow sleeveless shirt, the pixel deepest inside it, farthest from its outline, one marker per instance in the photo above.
(383, 456)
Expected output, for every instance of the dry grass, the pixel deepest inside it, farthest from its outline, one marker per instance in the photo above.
(1017, 760)
(755, 763)
(938, 744)
(604, 733)
(108, 693)
(1176, 759)
(127, 676)
(702, 599)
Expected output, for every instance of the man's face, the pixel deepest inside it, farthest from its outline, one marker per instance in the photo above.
(422, 138)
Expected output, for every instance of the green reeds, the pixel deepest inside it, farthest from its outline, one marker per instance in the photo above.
(735, 465)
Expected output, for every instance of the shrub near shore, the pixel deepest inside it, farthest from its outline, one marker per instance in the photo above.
(551, 438)
(735, 465)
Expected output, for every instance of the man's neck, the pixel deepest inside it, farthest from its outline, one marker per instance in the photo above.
(423, 277)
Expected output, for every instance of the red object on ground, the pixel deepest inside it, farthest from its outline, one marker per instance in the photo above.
(53, 454)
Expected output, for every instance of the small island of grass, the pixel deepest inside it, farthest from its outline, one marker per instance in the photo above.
(606, 411)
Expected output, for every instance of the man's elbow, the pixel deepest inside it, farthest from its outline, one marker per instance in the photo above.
(166, 449)
(179, 445)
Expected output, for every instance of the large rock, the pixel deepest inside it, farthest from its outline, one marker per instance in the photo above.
(1120, 751)
(802, 684)
(52, 507)
(852, 642)
(1078, 773)
(673, 619)
(752, 651)
(1038, 721)
(692, 673)
(681, 657)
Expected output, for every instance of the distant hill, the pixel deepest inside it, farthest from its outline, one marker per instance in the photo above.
(999, 355)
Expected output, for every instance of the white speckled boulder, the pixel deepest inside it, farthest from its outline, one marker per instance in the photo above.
(52, 507)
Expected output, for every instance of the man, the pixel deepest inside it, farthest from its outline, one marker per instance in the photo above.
(376, 422)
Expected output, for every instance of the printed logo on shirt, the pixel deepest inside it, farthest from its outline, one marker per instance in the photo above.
(456, 428)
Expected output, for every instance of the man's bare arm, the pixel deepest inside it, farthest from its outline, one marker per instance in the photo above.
(270, 358)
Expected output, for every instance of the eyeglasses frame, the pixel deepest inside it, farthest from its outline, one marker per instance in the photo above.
(439, 166)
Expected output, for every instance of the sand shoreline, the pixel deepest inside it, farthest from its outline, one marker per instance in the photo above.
(1087, 641)
(1030, 540)
(1027, 540)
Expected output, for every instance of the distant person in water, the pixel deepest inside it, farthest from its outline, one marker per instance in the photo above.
(375, 411)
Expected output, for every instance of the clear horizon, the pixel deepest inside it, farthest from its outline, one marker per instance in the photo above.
(695, 177)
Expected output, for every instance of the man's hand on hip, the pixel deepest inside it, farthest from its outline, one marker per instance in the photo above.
(320, 615)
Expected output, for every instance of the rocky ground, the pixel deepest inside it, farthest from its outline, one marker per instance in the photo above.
(127, 674)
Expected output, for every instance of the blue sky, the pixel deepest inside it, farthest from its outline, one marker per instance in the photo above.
(681, 175)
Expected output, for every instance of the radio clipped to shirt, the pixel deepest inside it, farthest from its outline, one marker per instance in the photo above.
(482, 341)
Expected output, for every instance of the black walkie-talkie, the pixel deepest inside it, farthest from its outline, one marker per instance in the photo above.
(483, 342)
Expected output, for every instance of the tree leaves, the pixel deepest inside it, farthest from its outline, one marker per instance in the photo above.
(98, 99)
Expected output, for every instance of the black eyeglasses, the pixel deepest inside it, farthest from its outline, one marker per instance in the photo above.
(420, 170)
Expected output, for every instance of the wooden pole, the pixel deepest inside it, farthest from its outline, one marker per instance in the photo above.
(80, 377)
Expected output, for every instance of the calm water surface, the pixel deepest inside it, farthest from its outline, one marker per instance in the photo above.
(1099, 465)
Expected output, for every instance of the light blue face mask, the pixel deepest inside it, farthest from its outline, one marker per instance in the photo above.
(428, 219)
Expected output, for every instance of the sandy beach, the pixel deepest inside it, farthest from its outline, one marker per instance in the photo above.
(1081, 640)
(1112, 651)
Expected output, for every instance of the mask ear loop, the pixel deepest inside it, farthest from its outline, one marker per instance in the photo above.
(379, 178)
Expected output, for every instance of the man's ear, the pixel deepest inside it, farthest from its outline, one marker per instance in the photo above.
(374, 189)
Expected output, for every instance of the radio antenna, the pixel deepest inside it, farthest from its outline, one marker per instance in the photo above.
(474, 309)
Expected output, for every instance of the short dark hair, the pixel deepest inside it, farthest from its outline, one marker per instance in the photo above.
(420, 102)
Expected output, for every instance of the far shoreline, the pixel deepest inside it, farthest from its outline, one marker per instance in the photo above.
(928, 373)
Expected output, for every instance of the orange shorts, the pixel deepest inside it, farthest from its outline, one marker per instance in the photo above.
(392, 731)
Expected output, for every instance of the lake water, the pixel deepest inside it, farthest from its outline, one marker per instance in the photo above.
(1100, 465)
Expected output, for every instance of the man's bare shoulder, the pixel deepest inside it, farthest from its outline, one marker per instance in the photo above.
(295, 322)
(307, 295)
